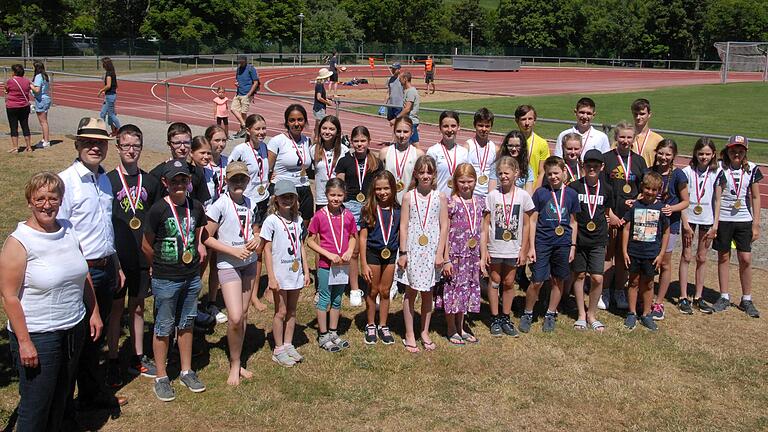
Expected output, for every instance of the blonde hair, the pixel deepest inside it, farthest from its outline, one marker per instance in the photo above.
(507, 161)
(622, 125)
(44, 179)
(464, 169)
(421, 162)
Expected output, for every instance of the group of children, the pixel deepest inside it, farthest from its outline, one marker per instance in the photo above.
(442, 225)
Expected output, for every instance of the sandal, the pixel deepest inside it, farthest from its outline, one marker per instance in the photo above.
(580, 325)
(429, 346)
(469, 337)
(326, 343)
(456, 340)
(413, 349)
(598, 326)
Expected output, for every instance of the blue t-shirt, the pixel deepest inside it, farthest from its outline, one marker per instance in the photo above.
(245, 77)
(44, 87)
(670, 194)
(549, 219)
(375, 238)
(647, 225)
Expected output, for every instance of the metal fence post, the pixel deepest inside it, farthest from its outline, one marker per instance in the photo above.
(213, 64)
(167, 106)
(337, 103)
(50, 86)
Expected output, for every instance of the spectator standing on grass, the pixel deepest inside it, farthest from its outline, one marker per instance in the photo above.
(87, 204)
(333, 64)
(247, 82)
(538, 149)
(411, 102)
(41, 88)
(17, 95)
(591, 138)
(321, 100)
(394, 92)
(109, 91)
(50, 303)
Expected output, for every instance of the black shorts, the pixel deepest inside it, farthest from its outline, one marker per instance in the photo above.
(643, 266)
(429, 77)
(702, 228)
(262, 211)
(738, 232)
(222, 121)
(374, 257)
(589, 259)
(334, 77)
(137, 284)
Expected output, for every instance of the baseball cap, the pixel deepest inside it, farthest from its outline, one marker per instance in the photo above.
(283, 187)
(175, 167)
(738, 140)
(593, 154)
(237, 168)
(395, 65)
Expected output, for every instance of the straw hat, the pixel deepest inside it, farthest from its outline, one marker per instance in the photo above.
(323, 73)
(92, 128)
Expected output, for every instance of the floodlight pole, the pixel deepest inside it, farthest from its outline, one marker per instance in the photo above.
(471, 36)
(301, 33)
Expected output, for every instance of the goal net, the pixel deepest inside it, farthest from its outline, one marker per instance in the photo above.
(743, 57)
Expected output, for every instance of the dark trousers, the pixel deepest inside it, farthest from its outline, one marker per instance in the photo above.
(16, 117)
(44, 390)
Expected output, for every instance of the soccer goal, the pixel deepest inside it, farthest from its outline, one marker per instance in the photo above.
(742, 57)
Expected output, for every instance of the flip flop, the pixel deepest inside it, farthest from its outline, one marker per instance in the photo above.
(580, 325)
(598, 326)
(431, 346)
(413, 349)
(456, 340)
(469, 337)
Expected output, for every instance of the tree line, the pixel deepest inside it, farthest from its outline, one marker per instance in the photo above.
(657, 29)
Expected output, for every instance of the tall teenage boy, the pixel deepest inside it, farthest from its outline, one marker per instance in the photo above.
(591, 138)
(646, 140)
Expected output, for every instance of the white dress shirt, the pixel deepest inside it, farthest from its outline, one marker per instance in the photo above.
(591, 139)
(87, 204)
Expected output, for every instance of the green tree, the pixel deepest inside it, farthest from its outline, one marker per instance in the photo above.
(330, 28)
(527, 23)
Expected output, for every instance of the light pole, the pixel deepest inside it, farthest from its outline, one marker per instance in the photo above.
(301, 33)
(471, 36)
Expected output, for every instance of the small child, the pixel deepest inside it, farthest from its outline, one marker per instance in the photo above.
(463, 255)
(379, 242)
(553, 236)
(423, 230)
(572, 148)
(739, 221)
(172, 245)
(221, 109)
(232, 218)
(507, 224)
(287, 268)
(333, 235)
(644, 243)
(703, 214)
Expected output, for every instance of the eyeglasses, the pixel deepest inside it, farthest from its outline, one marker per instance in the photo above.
(40, 202)
(126, 147)
(181, 143)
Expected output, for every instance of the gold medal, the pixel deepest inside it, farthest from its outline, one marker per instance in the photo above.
(400, 185)
(737, 204)
(697, 210)
(386, 253)
(591, 226)
(295, 266)
(186, 257)
(360, 197)
(450, 183)
(261, 190)
(472, 243)
(559, 230)
(135, 223)
(506, 235)
(627, 188)
(483, 179)
(423, 240)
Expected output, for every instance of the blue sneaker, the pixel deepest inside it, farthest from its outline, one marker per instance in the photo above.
(631, 321)
(549, 323)
(525, 322)
(649, 322)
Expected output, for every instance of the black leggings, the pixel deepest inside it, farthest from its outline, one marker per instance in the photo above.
(16, 116)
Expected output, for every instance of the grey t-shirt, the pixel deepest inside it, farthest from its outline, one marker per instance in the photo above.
(412, 95)
(395, 91)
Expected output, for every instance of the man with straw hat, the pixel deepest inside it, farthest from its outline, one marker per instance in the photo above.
(321, 100)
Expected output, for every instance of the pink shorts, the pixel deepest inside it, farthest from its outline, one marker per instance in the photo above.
(237, 274)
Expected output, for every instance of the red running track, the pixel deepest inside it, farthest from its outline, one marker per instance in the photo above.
(194, 106)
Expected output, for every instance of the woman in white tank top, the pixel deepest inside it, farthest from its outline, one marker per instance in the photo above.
(400, 157)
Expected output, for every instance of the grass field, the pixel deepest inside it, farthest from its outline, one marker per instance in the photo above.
(703, 373)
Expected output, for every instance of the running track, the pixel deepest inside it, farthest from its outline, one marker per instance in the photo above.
(193, 106)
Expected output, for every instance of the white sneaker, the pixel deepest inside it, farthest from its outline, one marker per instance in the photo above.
(601, 304)
(356, 298)
(620, 298)
(221, 317)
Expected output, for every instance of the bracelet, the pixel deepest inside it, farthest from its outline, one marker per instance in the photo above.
(402, 252)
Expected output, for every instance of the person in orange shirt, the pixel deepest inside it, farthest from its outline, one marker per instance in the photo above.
(429, 74)
(646, 140)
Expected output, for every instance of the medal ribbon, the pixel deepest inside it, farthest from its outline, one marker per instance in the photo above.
(299, 153)
(482, 162)
(184, 238)
(628, 167)
(559, 204)
(570, 172)
(340, 242)
(294, 244)
(329, 168)
(418, 212)
(645, 140)
(733, 180)
(260, 162)
(360, 178)
(590, 208)
(451, 162)
(386, 236)
(471, 217)
(401, 169)
(243, 228)
(132, 201)
(508, 218)
(584, 141)
(700, 191)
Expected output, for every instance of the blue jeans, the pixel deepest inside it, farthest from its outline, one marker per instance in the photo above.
(175, 304)
(108, 109)
(43, 390)
(415, 134)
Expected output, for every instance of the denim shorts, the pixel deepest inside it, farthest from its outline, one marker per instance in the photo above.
(415, 134)
(175, 304)
(43, 104)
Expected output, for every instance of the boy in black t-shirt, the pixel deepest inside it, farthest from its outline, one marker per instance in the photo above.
(644, 241)
(172, 245)
(596, 201)
(180, 145)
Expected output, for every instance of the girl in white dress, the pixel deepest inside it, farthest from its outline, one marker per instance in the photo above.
(423, 230)
(400, 157)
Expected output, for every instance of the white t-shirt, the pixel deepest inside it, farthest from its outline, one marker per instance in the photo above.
(258, 170)
(497, 247)
(231, 228)
(407, 162)
(731, 179)
(706, 187)
(592, 139)
(457, 155)
(486, 155)
(286, 248)
(215, 180)
(322, 170)
(291, 158)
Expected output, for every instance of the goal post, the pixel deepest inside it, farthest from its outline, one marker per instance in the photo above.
(742, 57)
